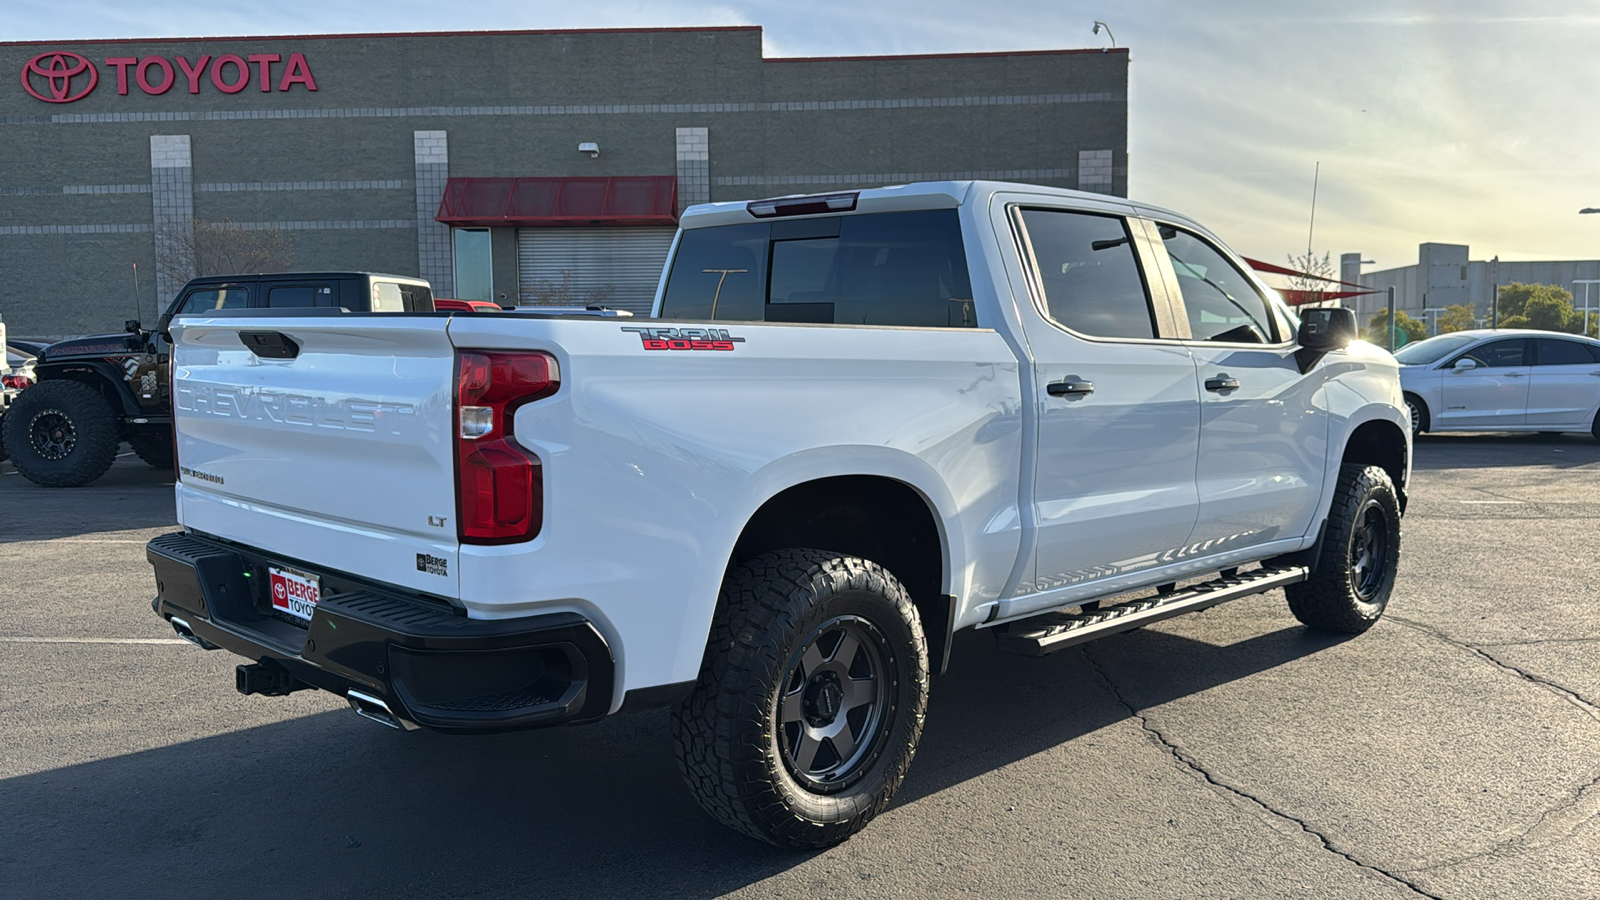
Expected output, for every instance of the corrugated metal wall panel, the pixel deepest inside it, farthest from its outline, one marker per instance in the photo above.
(615, 267)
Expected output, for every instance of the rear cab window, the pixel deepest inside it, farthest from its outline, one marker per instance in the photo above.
(896, 269)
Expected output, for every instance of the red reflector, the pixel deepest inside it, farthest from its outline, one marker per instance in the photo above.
(499, 484)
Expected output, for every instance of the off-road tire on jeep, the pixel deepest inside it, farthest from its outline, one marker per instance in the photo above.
(61, 434)
(153, 444)
(802, 640)
(1350, 586)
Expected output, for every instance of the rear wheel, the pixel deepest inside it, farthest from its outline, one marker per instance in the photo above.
(153, 444)
(810, 701)
(1355, 573)
(61, 434)
(1595, 428)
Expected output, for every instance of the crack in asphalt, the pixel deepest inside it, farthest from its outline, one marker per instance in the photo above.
(1562, 818)
(1554, 820)
(1571, 640)
(1591, 707)
(1193, 765)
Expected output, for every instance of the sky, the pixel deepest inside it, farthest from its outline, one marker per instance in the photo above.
(1460, 122)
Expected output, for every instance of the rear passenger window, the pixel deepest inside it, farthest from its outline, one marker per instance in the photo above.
(207, 299)
(893, 269)
(1566, 353)
(1088, 272)
(300, 295)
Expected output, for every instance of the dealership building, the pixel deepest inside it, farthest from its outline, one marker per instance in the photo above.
(525, 167)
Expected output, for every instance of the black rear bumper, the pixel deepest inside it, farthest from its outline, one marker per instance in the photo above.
(429, 663)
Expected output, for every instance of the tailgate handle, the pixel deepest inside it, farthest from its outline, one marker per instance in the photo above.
(270, 344)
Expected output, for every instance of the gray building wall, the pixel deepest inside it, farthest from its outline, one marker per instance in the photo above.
(352, 173)
(1445, 276)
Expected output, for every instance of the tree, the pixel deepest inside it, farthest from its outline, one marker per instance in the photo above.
(1546, 306)
(1309, 289)
(1459, 317)
(223, 247)
(1409, 329)
(1549, 313)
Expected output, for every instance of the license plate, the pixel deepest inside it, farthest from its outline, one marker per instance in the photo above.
(295, 593)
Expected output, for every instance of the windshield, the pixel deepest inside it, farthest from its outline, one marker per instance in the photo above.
(1431, 350)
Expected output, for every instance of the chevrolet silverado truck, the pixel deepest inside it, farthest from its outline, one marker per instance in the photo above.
(855, 424)
(95, 392)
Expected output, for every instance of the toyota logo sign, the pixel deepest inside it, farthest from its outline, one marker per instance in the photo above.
(56, 73)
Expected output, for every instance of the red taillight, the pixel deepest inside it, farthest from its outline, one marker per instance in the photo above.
(16, 381)
(500, 485)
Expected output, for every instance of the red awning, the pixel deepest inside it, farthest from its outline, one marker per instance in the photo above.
(536, 202)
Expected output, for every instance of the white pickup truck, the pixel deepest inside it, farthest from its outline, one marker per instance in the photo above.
(855, 424)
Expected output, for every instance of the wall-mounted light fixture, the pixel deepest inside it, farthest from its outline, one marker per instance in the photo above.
(591, 148)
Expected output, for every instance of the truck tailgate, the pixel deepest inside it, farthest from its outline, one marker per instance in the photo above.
(330, 445)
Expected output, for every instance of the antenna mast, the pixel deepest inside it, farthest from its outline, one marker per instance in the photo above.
(1311, 229)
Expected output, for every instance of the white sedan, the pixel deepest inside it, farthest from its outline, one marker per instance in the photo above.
(1502, 380)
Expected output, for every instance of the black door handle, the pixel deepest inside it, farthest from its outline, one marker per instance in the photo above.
(1072, 387)
(1220, 383)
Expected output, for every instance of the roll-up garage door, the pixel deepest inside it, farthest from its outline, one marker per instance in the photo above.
(615, 267)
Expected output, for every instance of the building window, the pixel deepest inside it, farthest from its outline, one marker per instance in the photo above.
(474, 264)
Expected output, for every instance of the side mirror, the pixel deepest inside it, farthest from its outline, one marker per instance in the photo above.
(1326, 328)
(1465, 364)
(132, 326)
(164, 326)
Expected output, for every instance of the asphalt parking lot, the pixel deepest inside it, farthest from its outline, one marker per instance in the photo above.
(1452, 751)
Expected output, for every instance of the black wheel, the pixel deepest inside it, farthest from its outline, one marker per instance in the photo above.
(61, 434)
(153, 444)
(1595, 428)
(1360, 554)
(810, 700)
(1419, 414)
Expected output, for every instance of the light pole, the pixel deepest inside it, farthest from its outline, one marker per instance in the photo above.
(1586, 282)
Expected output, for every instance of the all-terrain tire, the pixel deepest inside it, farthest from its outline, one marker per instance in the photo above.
(61, 434)
(747, 737)
(153, 444)
(1355, 572)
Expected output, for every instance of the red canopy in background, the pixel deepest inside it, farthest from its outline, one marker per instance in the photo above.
(547, 202)
(1299, 297)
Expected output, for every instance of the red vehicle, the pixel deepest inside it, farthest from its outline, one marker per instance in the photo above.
(472, 306)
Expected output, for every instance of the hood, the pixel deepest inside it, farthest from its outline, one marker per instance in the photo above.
(91, 345)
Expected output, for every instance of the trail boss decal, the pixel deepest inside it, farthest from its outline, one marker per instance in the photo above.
(685, 338)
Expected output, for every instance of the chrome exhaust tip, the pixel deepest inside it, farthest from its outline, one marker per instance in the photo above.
(186, 632)
(370, 707)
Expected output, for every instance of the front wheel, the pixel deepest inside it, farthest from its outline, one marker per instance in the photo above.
(1355, 573)
(810, 701)
(1419, 414)
(61, 434)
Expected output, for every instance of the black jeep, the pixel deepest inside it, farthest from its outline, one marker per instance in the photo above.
(94, 392)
